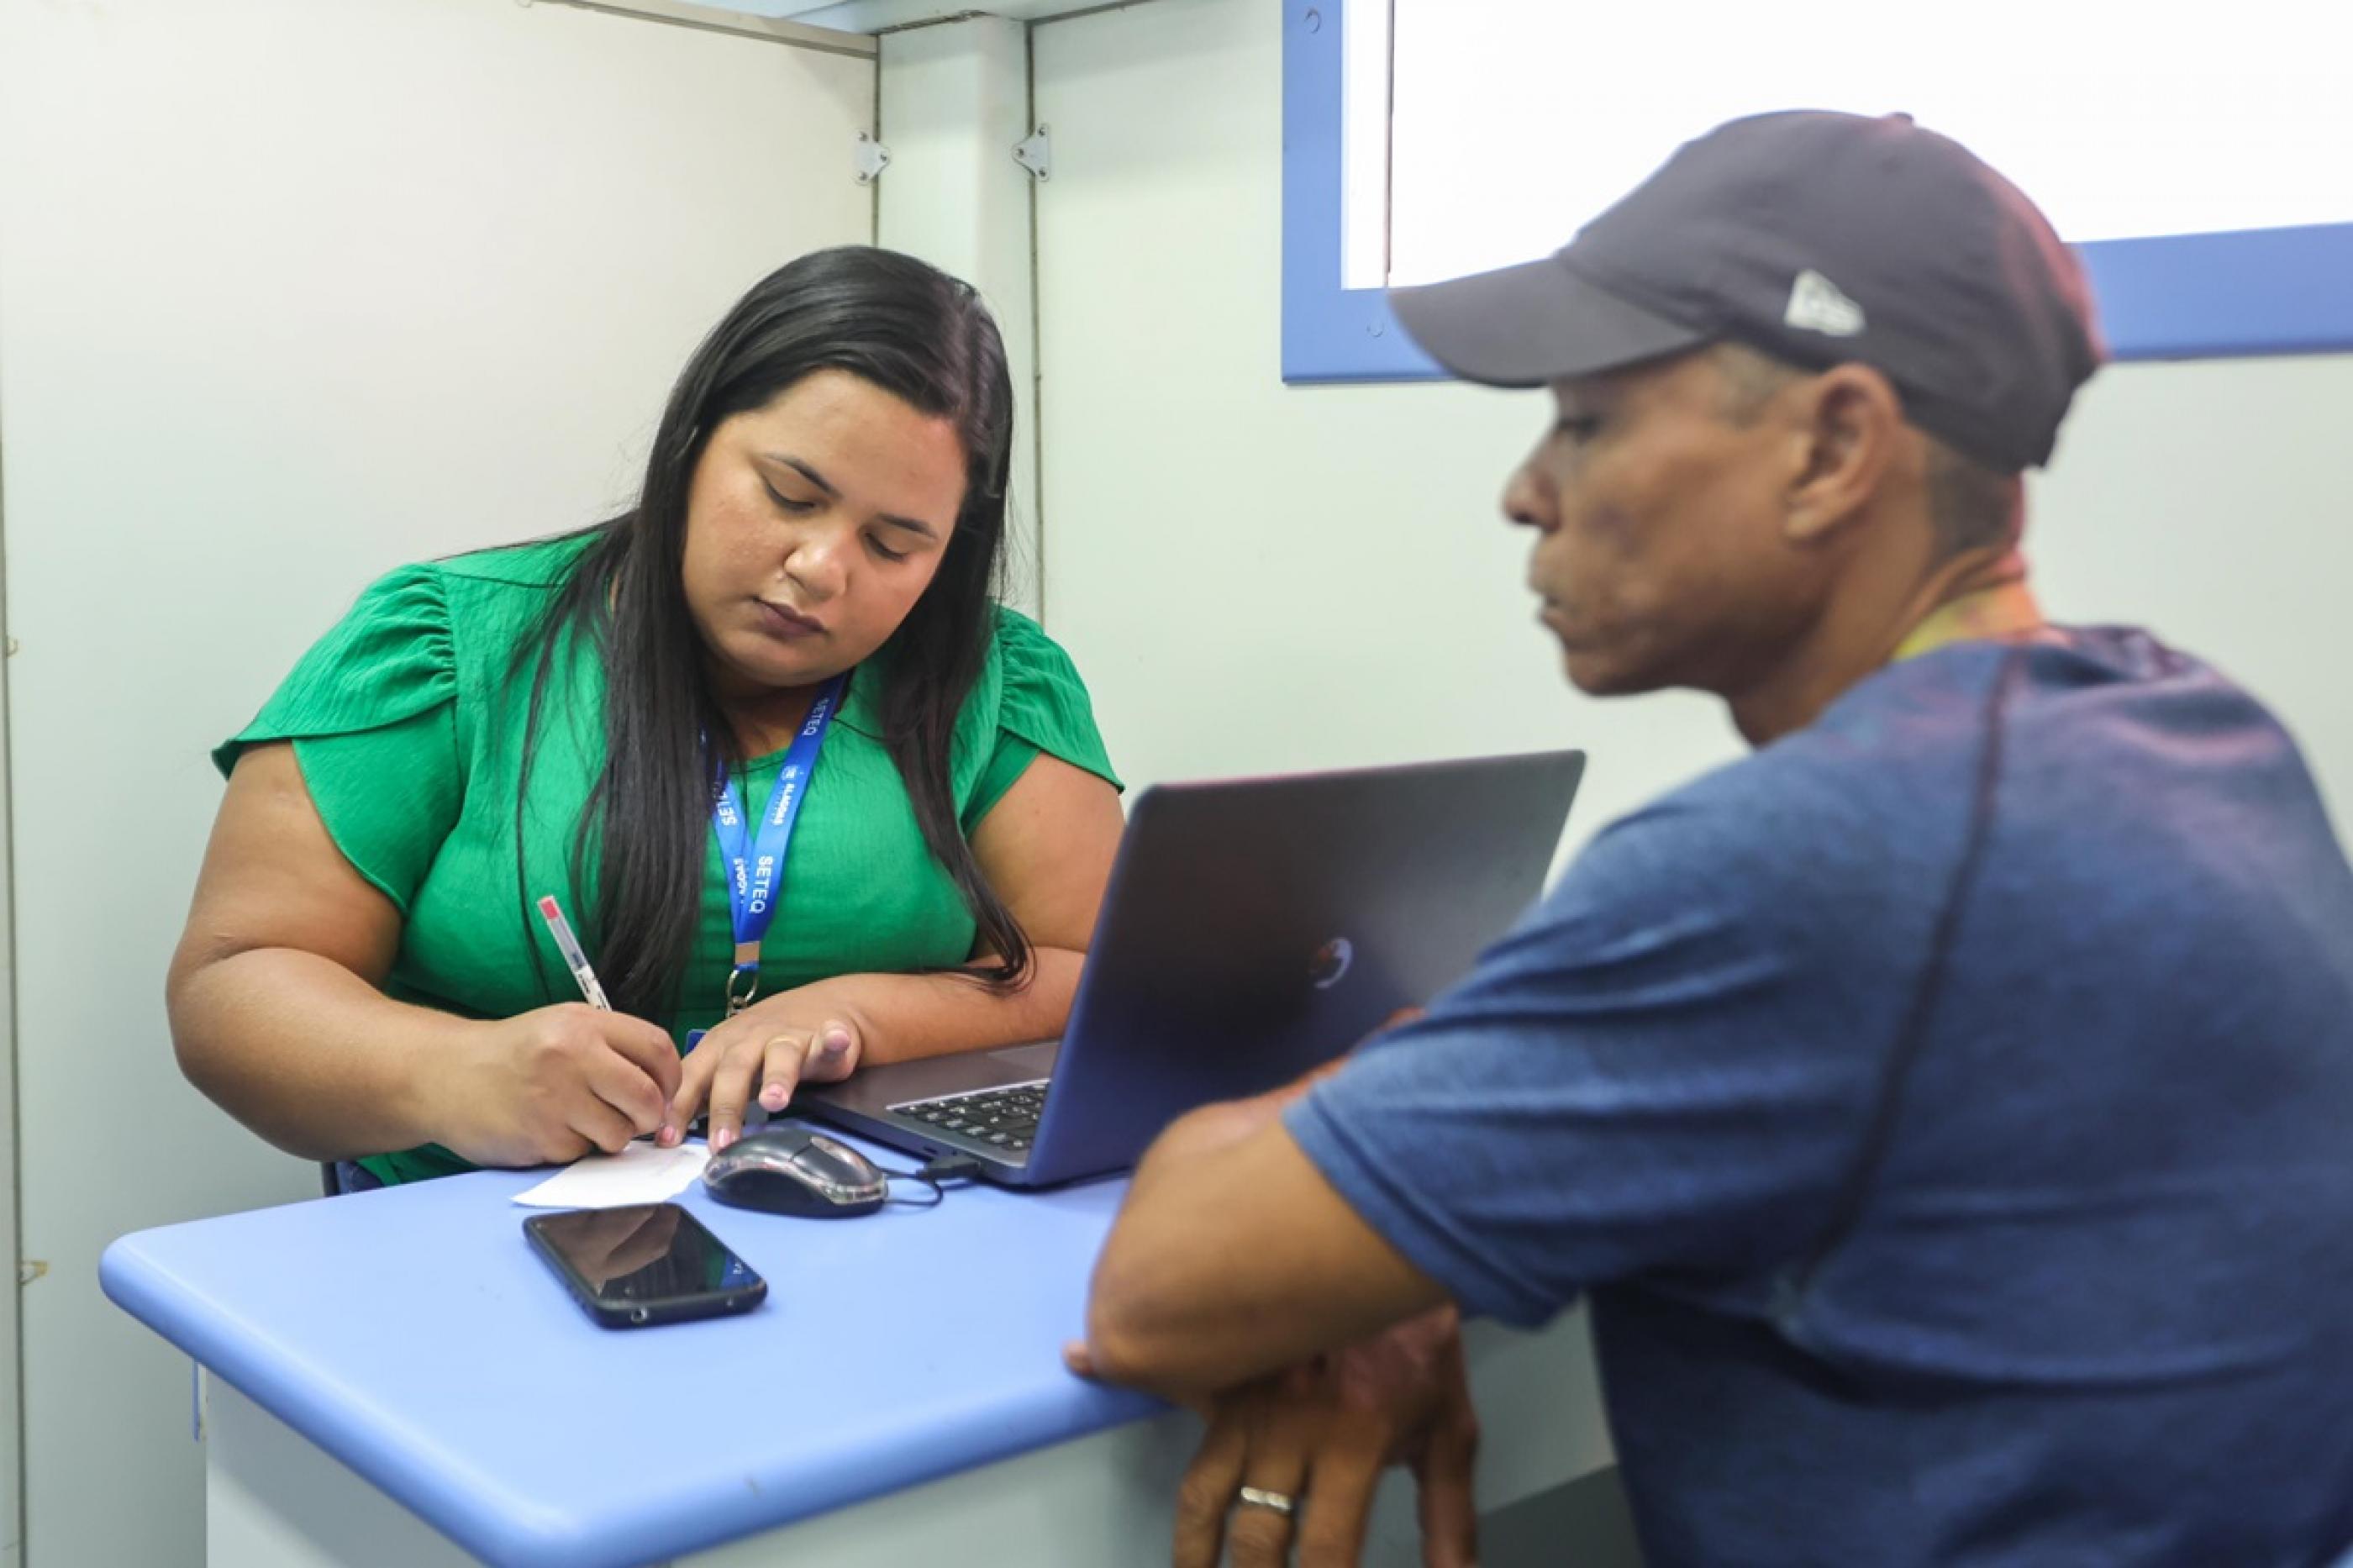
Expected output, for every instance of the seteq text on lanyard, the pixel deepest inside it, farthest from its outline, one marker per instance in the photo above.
(754, 861)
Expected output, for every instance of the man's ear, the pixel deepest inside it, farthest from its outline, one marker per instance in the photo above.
(1850, 431)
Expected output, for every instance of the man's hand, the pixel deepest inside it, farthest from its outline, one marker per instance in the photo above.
(1321, 1435)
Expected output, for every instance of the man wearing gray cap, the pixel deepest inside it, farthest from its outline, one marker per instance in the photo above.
(1947, 1109)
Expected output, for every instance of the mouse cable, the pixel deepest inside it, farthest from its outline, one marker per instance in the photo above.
(936, 1176)
(939, 1194)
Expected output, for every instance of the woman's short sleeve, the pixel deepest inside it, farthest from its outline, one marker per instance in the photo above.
(371, 712)
(1044, 707)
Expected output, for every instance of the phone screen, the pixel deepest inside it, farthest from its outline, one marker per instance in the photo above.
(641, 1256)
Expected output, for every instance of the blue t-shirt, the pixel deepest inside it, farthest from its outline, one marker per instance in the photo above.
(2039, 1255)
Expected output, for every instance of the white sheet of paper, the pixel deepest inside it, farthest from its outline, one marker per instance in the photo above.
(640, 1174)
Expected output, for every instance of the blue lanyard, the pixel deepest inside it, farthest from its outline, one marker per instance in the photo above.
(755, 865)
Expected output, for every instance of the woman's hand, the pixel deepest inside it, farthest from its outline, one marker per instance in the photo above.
(771, 1047)
(549, 1086)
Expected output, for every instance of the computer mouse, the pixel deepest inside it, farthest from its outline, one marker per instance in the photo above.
(793, 1171)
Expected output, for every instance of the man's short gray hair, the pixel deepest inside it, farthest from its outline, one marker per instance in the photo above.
(1971, 505)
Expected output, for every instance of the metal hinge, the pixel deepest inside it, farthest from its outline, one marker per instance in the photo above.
(870, 158)
(1035, 152)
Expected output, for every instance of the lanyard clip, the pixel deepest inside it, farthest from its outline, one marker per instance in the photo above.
(743, 985)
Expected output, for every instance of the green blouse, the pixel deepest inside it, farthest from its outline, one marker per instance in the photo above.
(408, 728)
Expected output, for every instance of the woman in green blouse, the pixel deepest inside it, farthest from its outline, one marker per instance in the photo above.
(364, 975)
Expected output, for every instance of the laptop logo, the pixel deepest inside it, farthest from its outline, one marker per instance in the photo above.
(1330, 964)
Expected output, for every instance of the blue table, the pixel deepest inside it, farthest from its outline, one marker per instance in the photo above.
(407, 1345)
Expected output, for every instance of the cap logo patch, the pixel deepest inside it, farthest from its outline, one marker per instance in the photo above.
(1818, 305)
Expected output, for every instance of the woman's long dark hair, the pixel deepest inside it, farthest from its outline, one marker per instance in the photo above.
(915, 333)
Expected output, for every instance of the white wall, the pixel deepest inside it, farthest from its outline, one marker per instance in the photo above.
(955, 100)
(12, 1512)
(1252, 576)
(290, 292)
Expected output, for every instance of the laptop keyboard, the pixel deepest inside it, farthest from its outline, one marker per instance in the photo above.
(1003, 1117)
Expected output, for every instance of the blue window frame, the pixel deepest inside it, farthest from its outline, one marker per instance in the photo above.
(2255, 292)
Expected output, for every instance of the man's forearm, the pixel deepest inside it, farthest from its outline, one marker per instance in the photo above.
(1210, 1130)
(1233, 1256)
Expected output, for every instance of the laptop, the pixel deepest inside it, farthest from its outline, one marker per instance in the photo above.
(1253, 928)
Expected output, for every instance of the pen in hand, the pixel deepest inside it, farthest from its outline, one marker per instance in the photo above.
(569, 945)
(577, 962)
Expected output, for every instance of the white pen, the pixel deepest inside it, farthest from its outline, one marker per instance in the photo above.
(569, 945)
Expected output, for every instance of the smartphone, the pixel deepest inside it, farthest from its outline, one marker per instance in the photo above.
(644, 1264)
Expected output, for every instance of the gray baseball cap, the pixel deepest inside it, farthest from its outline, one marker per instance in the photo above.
(1817, 239)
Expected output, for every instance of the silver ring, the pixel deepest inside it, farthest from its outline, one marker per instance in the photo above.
(1283, 1503)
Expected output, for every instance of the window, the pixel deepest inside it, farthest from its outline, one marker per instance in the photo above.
(2205, 169)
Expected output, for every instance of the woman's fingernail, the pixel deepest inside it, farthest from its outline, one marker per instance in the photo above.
(720, 1138)
(773, 1096)
(666, 1136)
